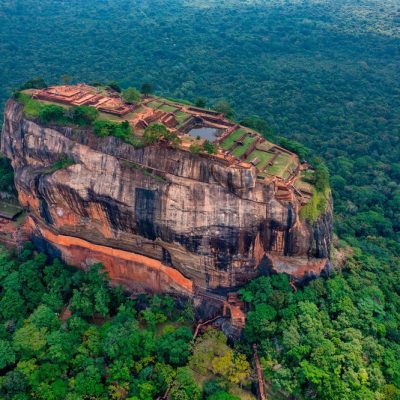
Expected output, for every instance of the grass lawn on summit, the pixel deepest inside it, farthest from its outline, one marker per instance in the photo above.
(289, 168)
(280, 165)
(227, 143)
(154, 104)
(241, 149)
(168, 108)
(265, 145)
(111, 117)
(181, 117)
(263, 156)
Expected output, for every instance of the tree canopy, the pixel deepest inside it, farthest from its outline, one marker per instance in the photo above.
(131, 95)
(66, 333)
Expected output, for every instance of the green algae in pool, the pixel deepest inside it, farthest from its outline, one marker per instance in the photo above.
(205, 132)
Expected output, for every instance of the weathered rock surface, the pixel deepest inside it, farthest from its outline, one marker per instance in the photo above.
(158, 218)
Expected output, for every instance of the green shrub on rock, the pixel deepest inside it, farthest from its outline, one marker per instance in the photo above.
(120, 130)
(156, 131)
(51, 113)
(83, 115)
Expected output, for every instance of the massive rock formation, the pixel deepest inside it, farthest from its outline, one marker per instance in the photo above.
(158, 218)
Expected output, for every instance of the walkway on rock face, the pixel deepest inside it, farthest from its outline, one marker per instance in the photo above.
(208, 295)
(261, 384)
(201, 325)
(231, 303)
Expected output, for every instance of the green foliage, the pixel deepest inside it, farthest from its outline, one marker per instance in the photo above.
(259, 125)
(146, 89)
(121, 130)
(65, 79)
(210, 148)
(7, 354)
(29, 340)
(200, 102)
(320, 195)
(51, 113)
(211, 353)
(131, 95)
(195, 148)
(36, 109)
(83, 115)
(293, 145)
(62, 162)
(223, 107)
(37, 83)
(222, 395)
(181, 101)
(156, 132)
(174, 347)
(211, 387)
(260, 322)
(184, 386)
(279, 63)
(172, 138)
(79, 115)
(326, 339)
(283, 71)
(92, 296)
(372, 223)
(114, 86)
(6, 176)
(32, 107)
(315, 207)
(103, 350)
(321, 175)
(234, 368)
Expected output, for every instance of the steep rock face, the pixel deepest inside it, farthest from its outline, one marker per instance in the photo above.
(158, 218)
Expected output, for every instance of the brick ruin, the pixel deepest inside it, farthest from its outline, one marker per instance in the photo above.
(107, 101)
(247, 148)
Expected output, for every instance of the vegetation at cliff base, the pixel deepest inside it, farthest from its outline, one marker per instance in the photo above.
(66, 334)
(337, 338)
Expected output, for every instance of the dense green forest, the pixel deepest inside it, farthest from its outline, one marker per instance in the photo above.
(323, 73)
(66, 334)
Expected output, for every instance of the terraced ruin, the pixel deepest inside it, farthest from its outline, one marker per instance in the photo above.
(236, 144)
(167, 196)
